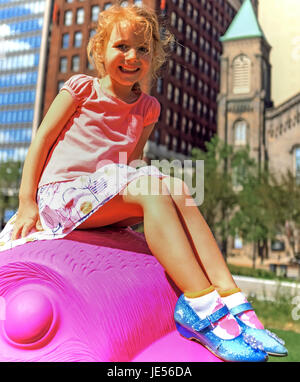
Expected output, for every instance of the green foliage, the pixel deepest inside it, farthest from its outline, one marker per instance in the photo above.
(257, 273)
(284, 202)
(240, 198)
(10, 175)
(219, 197)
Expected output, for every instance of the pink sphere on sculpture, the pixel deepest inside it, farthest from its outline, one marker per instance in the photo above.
(29, 316)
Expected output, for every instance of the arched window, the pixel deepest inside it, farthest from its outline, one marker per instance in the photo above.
(240, 133)
(297, 163)
(241, 74)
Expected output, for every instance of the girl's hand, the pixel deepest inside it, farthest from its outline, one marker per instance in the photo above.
(28, 219)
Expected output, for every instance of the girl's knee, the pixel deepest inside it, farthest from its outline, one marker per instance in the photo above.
(178, 189)
(145, 189)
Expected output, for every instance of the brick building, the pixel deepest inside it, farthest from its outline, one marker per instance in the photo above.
(188, 87)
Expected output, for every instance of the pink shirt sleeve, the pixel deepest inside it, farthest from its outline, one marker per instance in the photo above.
(153, 112)
(78, 86)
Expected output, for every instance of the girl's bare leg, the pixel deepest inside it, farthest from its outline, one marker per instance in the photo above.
(163, 230)
(200, 235)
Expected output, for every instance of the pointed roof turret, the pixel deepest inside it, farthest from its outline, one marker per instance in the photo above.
(244, 24)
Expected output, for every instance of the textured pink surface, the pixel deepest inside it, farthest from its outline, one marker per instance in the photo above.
(96, 295)
(174, 348)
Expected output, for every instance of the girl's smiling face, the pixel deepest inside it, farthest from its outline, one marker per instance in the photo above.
(128, 55)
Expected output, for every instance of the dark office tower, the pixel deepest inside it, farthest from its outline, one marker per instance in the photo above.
(21, 30)
(189, 84)
(188, 91)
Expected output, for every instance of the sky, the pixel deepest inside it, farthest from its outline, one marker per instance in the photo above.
(280, 21)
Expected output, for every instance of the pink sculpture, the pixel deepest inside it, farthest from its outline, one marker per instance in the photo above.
(95, 295)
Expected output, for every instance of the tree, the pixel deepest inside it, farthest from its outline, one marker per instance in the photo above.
(236, 200)
(285, 206)
(219, 197)
(253, 220)
(10, 175)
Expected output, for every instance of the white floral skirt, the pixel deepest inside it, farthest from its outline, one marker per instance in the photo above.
(63, 206)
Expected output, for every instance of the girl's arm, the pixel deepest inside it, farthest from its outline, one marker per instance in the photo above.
(138, 151)
(58, 114)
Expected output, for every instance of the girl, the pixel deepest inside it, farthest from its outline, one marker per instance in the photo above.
(77, 174)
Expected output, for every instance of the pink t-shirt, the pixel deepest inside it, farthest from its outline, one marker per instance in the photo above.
(101, 127)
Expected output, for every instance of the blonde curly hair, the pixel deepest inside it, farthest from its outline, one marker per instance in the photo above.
(144, 21)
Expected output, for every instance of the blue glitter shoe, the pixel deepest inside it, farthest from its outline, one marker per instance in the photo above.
(243, 348)
(272, 344)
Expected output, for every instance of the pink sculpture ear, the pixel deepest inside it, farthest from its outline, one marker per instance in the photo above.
(30, 319)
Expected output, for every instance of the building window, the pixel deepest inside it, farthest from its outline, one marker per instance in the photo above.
(159, 85)
(241, 74)
(65, 41)
(89, 65)
(80, 16)
(75, 63)
(181, 4)
(174, 143)
(63, 65)
(107, 5)
(189, 10)
(179, 50)
(177, 96)
(68, 18)
(157, 136)
(178, 72)
(238, 242)
(191, 104)
(185, 100)
(193, 58)
(192, 80)
(170, 91)
(195, 37)
(77, 39)
(60, 84)
(168, 117)
(95, 13)
(199, 108)
(188, 32)
(240, 133)
(175, 120)
(171, 66)
(186, 76)
(173, 19)
(187, 54)
(297, 164)
(180, 24)
(195, 15)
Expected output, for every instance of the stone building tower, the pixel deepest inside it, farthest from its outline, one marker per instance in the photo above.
(245, 89)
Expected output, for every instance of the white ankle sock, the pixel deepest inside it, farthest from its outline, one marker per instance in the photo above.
(248, 317)
(226, 327)
(234, 299)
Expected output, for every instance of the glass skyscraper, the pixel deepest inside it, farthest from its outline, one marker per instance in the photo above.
(21, 27)
(24, 30)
